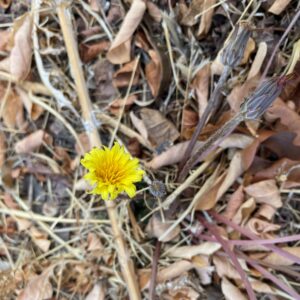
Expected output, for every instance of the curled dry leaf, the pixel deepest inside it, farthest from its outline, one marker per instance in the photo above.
(230, 291)
(123, 76)
(155, 228)
(200, 85)
(225, 268)
(34, 110)
(223, 183)
(278, 260)
(266, 211)
(32, 141)
(258, 60)
(160, 130)
(18, 63)
(188, 252)
(234, 202)
(119, 51)
(97, 293)
(139, 125)
(153, 72)
(259, 226)
(244, 212)
(265, 192)
(172, 271)
(89, 52)
(38, 287)
(117, 104)
(171, 156)
(12, 113)
(206, 18)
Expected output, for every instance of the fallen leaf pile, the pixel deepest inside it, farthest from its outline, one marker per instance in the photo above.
(229, 229)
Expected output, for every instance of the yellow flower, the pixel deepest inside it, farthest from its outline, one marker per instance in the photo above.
(112, 171)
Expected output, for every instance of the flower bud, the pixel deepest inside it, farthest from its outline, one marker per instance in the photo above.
(258, 102)
(235, 47)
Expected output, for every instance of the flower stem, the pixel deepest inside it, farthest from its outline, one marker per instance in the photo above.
(126, 263)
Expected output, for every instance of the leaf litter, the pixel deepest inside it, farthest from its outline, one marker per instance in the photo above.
(225, 226)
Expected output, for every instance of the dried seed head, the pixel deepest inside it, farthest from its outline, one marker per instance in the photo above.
(157, 188)
(234, 49)
(258, 102)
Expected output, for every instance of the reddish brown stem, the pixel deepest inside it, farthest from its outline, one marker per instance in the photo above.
(154, 270)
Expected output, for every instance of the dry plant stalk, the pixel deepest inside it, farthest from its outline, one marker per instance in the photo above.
(126, 263)
(252, 108)
(230, 57)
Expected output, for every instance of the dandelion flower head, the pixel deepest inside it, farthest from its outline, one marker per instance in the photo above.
(112, 171)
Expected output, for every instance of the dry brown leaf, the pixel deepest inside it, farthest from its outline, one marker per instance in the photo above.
(118, 104)
(288, 117)
(160, 130)
(266, 211)
(279, 260)
(123, 76)
(230, 291)
(89, 52)
(172, 271)
(97, 293)
(200, 84)
(12, 114)
(139, 125)
(188, 252)
(153, 71)
(279, 6)
(234, 202)
(222, 184)
(250, 47)
(244, 212)
(258, 60)
(119, 51)
(189, 17)
(154, 11)
(38, 287)
(94, 242)
(34, 111)
(4, 40)
(239, 92)
(2, 148)
(189, 121)
(5, 3)
(155, 228)
(32, 141)
(225, 268)
(206, 18)
(171, 156)
(265, 192)
(262, 287)
(18, 63)
(40, 239)
(259, 226)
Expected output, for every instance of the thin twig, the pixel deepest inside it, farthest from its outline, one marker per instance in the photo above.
(210, 109)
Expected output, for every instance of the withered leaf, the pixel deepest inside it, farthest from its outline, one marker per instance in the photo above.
(119, 51)
(160, 130)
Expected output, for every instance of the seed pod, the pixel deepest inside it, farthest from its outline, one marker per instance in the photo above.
(258, 102)
(234, 49)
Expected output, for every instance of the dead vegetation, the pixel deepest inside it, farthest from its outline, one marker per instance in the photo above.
(206, 94)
